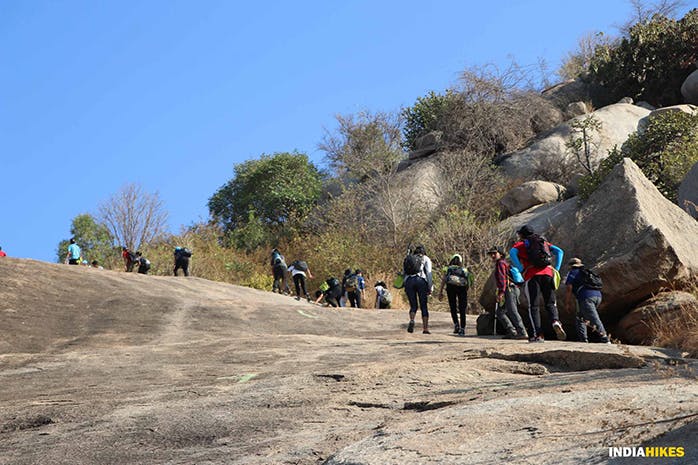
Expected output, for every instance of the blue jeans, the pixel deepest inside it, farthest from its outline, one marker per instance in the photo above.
(588, 315)
(417, 292)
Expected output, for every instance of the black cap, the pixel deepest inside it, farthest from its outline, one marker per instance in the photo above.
(525, 231)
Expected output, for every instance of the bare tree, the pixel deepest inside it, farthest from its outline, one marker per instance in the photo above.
(134, 217)
(643, 11)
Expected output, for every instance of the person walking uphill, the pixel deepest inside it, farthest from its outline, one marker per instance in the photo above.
(128, 259)
(298, 270)
(74, 252)
(181, 257)
(586, 286)
(533, 256)
(279, 271)
(457, 280)
(507, 296)
(418, 285)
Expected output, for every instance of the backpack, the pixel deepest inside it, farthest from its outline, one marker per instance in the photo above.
(332, 282)
(386, 298)
(351, 284)
(146, 263)
(300, 265)
(588, 279)
(538, 251)
(515, 275)
(412, 264)
(457, 276)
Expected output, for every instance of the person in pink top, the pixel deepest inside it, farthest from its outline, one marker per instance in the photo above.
(2, 254)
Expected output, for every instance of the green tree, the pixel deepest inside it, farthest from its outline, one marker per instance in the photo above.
(94, 240)
(664, 151)
(280, 189)
(582, 144)
(424, 116)
(650, 63)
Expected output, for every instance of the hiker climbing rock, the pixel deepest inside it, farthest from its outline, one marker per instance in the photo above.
(331, 290)
(533, 256)
(418, 285)
(129, 258)
(457, 279)
(74, 252)
(354, 286)
(279, 271)
(507, 279)
(586, 286)
(383, 296)
(181, 257)
(143, 263)
(298, 270)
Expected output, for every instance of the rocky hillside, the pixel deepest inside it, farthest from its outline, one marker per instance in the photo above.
(101, 367)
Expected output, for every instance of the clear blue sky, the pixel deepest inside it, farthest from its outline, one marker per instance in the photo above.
(171, 94)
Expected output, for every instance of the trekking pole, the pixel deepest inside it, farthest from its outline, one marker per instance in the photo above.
(496, 308)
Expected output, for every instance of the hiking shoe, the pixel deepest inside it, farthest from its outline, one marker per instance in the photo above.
(298, 297)
(309, 299)
(410, 327)
(426, 331)
(559, 332)
(456, 329)
(536, 339)
(461, 332)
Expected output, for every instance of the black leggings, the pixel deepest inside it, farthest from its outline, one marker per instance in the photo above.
(458, 302)
(540, 286)
(299, 282)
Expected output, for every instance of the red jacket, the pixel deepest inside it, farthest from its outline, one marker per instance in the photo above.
(530, 270)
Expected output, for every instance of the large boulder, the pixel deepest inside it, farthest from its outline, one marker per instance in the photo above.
(426, 145)
(656, 317)
(618, 121)
(564, 93)
(637, 240)
(688, 109)
(416, 187)
(530, 194)
(689, 89)
(688, 192)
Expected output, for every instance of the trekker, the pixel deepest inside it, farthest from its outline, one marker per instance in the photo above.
(2, 254)
(73, 256)
(143, 263)
(457, 280)
(129, 258)
(354, 286)
(418, 285)
(332, 292)
(586, 286)
(95, 264)
(279, 271)
(182, 256)
(507, 296)
(533, 256)
(383, 296)
(298, 270)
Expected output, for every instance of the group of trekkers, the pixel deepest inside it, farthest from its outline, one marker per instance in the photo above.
(351, 289)
(131, 260)
(533, 269)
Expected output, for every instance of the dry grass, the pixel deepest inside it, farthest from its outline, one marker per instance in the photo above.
(679, 330)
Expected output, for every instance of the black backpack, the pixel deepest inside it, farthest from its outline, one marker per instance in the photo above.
(300, 265)
(351, 283)
(588, 279)
(332, 282)
(412, 264)
(538, 251)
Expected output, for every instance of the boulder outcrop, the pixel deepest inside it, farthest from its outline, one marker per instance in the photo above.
(640, 325)
(689, 89)
(530, 194)
(688, 192)
(618, 121)
(638, 241)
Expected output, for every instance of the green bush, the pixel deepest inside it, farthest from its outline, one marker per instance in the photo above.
(664, 151)
(650, 63)
(424, 116)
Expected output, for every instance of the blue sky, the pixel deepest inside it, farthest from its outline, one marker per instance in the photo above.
(171, 94)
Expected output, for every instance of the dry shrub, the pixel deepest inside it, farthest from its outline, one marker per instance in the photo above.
(679, 330)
